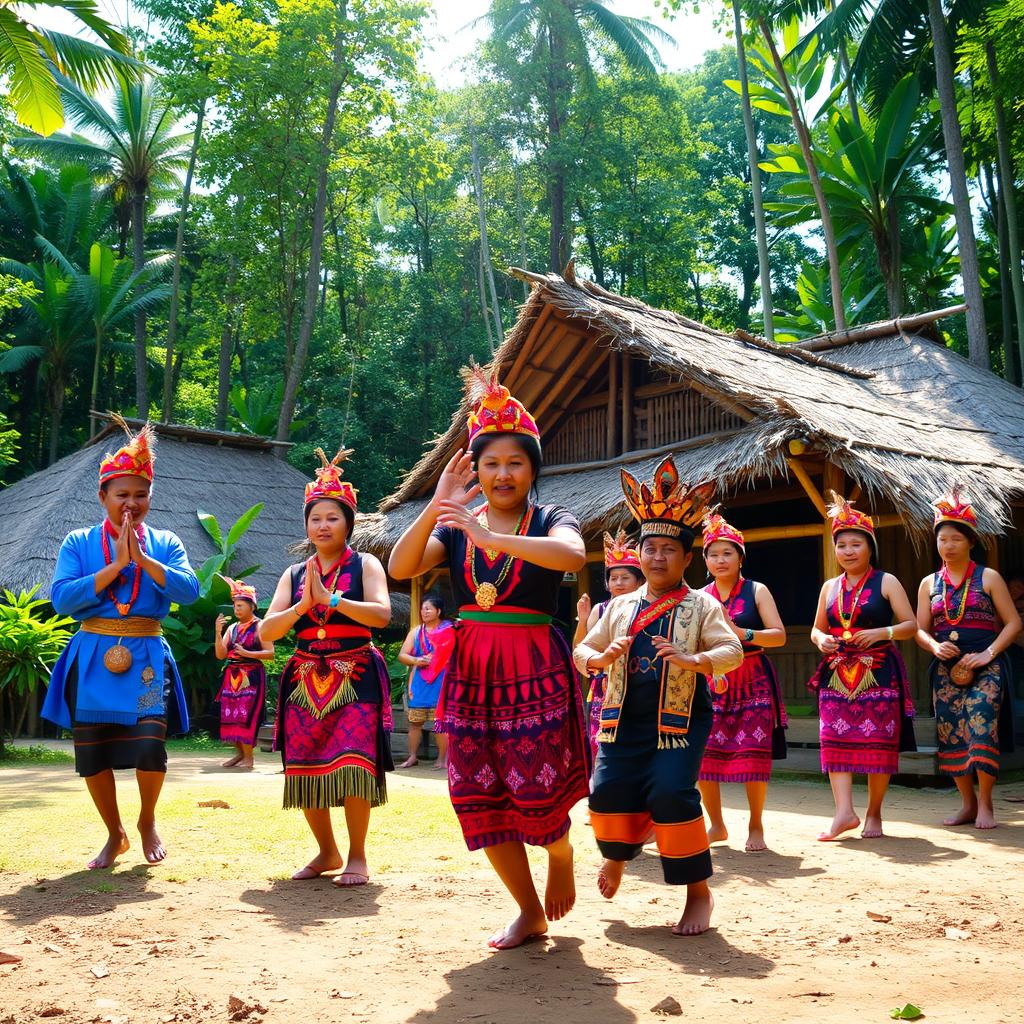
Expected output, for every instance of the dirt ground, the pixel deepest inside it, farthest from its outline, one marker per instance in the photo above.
(794, 937)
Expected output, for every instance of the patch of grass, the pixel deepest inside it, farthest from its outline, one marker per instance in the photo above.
(13, 757)
(195, 743)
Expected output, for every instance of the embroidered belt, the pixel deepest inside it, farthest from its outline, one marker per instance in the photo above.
(131, 625)
(507, 616)
(324, 682)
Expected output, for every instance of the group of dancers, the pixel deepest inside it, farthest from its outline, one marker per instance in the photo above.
(682, 695)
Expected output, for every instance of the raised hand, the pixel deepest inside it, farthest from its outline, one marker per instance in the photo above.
(218, 623)
(122, 549)
(583, 608)
(456, 483)
(455, 514)
(315, 589)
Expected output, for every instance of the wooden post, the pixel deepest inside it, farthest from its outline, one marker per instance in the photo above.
(832, 479)
(613, 394)
(416, 599)
(627, 402)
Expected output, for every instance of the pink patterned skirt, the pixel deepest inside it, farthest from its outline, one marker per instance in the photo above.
(518, 757)
(746, 717)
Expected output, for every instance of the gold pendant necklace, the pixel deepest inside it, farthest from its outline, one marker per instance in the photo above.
(486, 594)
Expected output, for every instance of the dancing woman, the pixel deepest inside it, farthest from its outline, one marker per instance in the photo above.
(334, 707)
(750, 718)
(243, 690)
(116, 686)
(517, 753)
(967, 621)
(864, 703)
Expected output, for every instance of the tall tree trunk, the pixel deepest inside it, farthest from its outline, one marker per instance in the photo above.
(95, 389)
(56, 414)
(520, 223)
(298, 362)
(179, 245)
(1005, 289)
(485, 249)
(227, 345)
(595, 253)
(1009, 198)
(753, 158)
(558, 255)
(803, 135)
(970, 271)
(138, 261)
(483, 300)
(887, 246)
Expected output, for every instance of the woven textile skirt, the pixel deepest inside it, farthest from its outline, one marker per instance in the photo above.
(748, 722)
(518, 757)
(594, 706)
(865, 735)
(242, 708)
(334, 746)
(967, 719)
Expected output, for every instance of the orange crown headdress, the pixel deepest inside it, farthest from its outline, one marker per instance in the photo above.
(618, 554)
(668, 508)
(845, 517)
(135, 458)
(716, 528)
(327, 482)
(240, 589)
(495, 411)
(955, 507)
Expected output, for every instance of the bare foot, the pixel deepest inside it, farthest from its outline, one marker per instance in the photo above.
(152, 846)
(114, 847)
(521, 930)
(965, 816)
(986, 818)
(560, 892)
(231, 761)
(696, 917)
(356, 872)
(872, 828)
(718, 833)
(409, 762)
(837, 828)
(755, 841)
(609, 877)
(246, 766)
(440, 766)
(318, 866)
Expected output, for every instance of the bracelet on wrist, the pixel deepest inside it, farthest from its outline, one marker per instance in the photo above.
(890, 632)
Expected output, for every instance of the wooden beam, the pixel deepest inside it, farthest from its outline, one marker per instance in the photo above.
(834, 479)
(415, 600)
(568, 397)
(726, 403)
(566, 376)
(627, 401)
(613, 394)
(883, 329)
(512, 377)
(807, 484)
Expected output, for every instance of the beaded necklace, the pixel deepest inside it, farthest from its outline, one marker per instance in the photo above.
(846, 619)
(123, 608)
(486, 594)
(961, 611)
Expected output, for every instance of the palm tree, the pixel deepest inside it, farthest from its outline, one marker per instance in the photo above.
(897, 37)
(558, 36)
(138, 144)
(29, 57)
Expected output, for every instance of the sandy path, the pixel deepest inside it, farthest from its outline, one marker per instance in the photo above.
(793, 940)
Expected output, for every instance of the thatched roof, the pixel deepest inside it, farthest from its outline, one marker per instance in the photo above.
(903, 416)
(215, 471)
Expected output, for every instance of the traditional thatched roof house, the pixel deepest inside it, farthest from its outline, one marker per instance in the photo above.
(211, 470)
(882, 413)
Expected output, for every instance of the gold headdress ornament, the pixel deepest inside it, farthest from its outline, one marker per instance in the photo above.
(845, 517)
(669, 507)
(327, 482)
(617, 552)
(135, 458)
(955, 507)
(494, 410)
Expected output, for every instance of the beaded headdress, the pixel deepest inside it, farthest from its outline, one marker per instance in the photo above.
(327, 482)
(618, 554)
(240, 589)
(668, 508)
(955, 507)
(495, 411)
(845, 517)
(716, 528)
(135, 458)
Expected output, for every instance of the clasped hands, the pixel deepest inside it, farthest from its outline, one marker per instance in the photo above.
(126, 548)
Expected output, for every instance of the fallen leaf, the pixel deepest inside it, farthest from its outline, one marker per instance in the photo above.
(907, 1012)
(9, 958)
(99, 970)
(668, 1006)
(223, 804)
(881, 918)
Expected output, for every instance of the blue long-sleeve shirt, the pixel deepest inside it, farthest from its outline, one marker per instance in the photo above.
(102, 695)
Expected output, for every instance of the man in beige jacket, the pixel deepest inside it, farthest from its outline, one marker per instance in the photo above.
(659, 645)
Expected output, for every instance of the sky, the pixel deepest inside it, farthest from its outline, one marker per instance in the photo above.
(451, 38)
